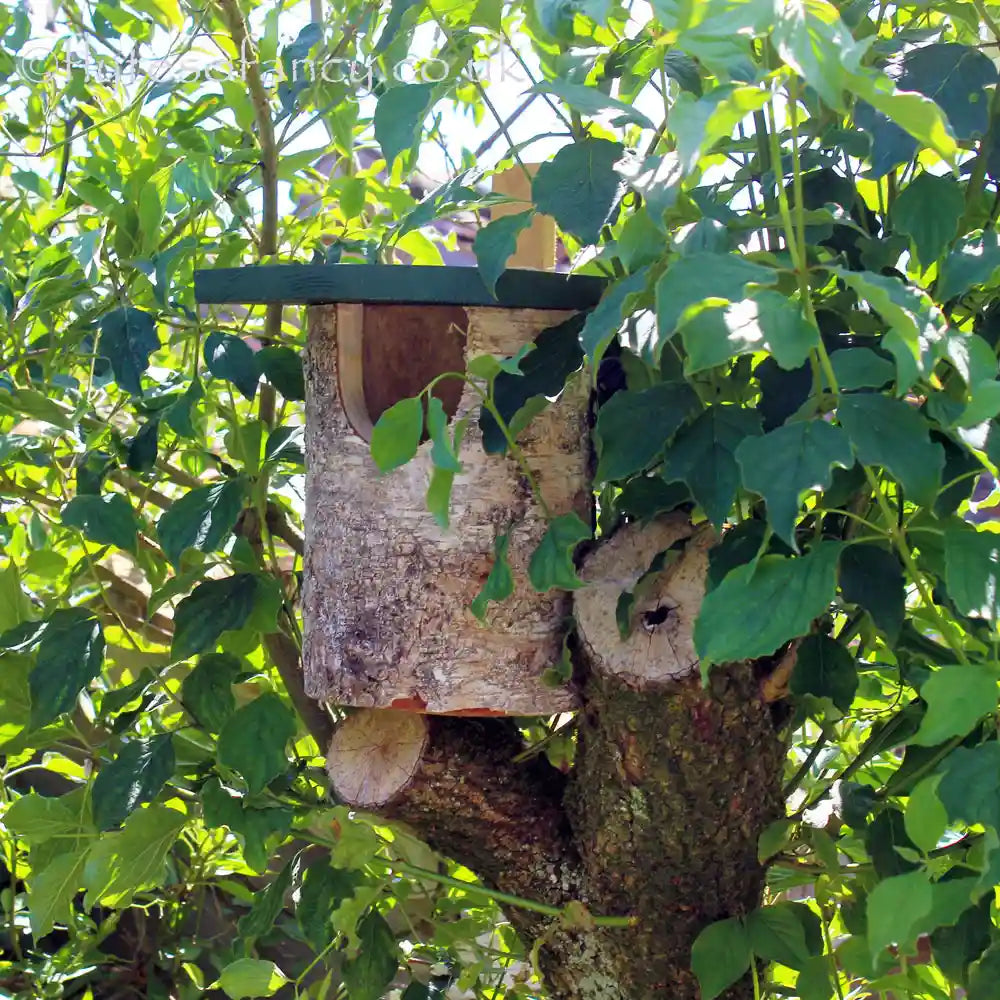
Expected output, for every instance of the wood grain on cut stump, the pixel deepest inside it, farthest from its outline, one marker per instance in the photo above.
(374, 755)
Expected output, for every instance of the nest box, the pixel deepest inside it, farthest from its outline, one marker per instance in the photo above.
(386, 590)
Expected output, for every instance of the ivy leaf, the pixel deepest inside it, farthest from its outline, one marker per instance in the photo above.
(579, 187)
(251, 977)
(69, 657)
(789, 460)
(825, 669)
(591, 101)
(551, 564)
(968, 788)
(777, 933)
(928, 211)
(957, 698)
(499, 584)
(660, 410)
(128, 337)
(201, 519)
(702, 456)
(396, 435)
(230, 358)
(972, 568)
(282, 367)
(603, 322)
(872, 578)
(495, 243)
(778, 600)
(135, 776)
(891, 433)
(972, 262)
(253, 739)
(703, 279)
(106, 520)
(400, 111)
(367, 976)
(207, 690)
(213, 607)
(897, 909)
(720, 956)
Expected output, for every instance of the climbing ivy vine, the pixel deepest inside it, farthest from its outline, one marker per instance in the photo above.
(794, 204)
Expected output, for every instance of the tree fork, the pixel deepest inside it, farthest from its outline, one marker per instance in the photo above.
(672, 785)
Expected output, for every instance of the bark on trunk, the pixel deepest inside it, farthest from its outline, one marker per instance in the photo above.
(659, 818)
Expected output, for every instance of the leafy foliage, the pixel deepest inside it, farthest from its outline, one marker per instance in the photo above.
(795, 206)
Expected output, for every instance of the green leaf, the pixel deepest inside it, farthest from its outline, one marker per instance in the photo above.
(814, 981)
(591, 101)
(442, 450)
(551, 564)
(973, 262)
(37, 818)
(324, 888)
(135, 776)
(494, 244)
(178, 416)
(499, 584)
(984, 975)
(251, 977)
(660, 410)
(702, 456)
(925, 818)
(579, 187)
(120, 864)
(367, 976)
(282, 367)
(252, 741)
(698, 123)
(602, 323)
(256, 828)
(928, 211)
(106, 520)
(267, 904)
(397, 433)
(777, 933)
(918, 329)
(230, 358)
(51, 891)
(972, 568)
(784, 463)
(69, 657)
(543, 372)
(15, 606)
(872, 578)
(692, 283)
(957, 697)
(778, 600)
(861, 368)
(825, 669)
(128, 337)
(681, 67)
(207, 690)
(968, 788)
(143, 447)
(720, 956)
(811, 38)
(891, 433)
(400, 111)
(897, 908)
(213, 607)
(201, 519)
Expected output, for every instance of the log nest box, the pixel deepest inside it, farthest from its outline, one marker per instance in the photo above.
(386, 590)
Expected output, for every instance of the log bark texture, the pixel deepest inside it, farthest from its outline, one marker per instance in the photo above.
(387, 590)
(659, 817)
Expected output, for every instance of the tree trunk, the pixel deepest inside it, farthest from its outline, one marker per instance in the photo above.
(659, 818)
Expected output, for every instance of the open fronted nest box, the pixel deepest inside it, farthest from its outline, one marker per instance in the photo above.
(386, 590)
